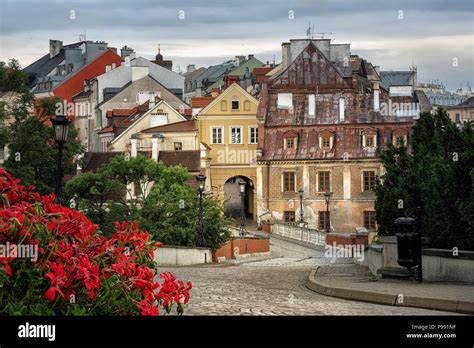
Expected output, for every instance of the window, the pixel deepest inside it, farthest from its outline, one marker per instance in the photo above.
(324, 219)
(217, 135)
(289, 182)
(342, 109)
(289, 216)
(311, 105)
(369, 181)
(178, 146)
(326, 142)
(285, 101)
(290, 143)
(369, 220)
(400, 140)
(253, 135)
(458, 118)
(236, 135)
(369, 141)
(235, 103)
(324, 183)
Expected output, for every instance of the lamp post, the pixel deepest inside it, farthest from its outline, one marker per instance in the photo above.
(61, 129)
(201, 179)
(301, 191)
(327, 197)
(242, 186)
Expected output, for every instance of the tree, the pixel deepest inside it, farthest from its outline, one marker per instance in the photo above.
(33, 154)
(162, 201)
(435, 176)
(171, 213)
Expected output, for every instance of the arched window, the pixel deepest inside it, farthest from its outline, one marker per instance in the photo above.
(224, 105)
(246, 105)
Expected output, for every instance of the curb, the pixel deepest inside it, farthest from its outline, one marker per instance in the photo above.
(457, 306)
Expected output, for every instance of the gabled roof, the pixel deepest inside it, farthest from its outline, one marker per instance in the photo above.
(183, 126)
(192, 75)
(144, 115)
(45, 64)
(313, 55)
(227, 91)
(240, 70)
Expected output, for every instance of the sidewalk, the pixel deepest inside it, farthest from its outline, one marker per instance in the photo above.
(356, 283)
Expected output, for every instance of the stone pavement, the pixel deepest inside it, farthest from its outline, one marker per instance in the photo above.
(355, 282)
(268, 290)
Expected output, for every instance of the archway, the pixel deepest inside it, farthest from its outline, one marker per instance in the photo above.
(232, 199)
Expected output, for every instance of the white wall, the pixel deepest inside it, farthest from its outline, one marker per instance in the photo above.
(181, 256)
(120, 76)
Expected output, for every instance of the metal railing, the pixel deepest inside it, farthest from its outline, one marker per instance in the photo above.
(302, 234)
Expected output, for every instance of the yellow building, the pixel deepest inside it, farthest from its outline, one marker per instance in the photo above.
(228, 126)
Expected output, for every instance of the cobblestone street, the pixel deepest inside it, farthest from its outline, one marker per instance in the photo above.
(274, 286)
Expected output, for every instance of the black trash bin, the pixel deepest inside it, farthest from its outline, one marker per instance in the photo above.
(407, 242)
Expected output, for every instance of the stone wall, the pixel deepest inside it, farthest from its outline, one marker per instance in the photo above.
(182, 256)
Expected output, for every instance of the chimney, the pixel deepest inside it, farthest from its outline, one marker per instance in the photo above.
(151, 100)
(125, 52)
(239, 60)
(55, 47)
(285, 54)
(214, 92)
(190, 68)
(251, 56)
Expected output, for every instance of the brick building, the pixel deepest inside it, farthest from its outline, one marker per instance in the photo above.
(323, 117)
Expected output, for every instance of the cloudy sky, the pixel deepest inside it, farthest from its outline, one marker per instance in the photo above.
(435, 35)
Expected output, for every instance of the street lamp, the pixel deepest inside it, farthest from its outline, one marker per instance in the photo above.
(201, 179)
(301, 191)
(242, 186)
(61, 129)
(327, 197)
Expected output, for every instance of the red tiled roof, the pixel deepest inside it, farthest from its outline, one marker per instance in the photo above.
(190, 159)
(183, 126)
(106, 130)
(120, 112)
(201, 102)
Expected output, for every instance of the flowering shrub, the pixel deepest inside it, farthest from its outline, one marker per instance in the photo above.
(70, 268)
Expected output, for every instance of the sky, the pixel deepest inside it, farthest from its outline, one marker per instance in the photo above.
(435, 35)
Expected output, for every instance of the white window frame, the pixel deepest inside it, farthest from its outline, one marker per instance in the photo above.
(241, 135)
(221, 137)
(364, 140)
(250, 134)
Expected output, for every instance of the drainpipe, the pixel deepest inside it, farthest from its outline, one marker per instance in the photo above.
(268, 187)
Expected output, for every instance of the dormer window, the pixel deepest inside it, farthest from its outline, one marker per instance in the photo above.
(400, 140)
(399, 137)
(369, 141)
(369, 138)
(290, 143)
(326, 141)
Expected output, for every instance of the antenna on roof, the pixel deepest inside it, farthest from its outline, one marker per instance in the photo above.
(82, 37)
